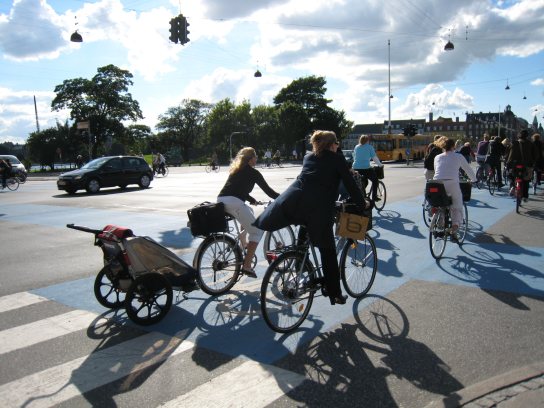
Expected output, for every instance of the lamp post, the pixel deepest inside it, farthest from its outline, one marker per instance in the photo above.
(389, 96)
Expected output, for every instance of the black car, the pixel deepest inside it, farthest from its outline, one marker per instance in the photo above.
(107, 172)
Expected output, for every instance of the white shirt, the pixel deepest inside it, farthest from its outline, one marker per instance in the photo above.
(447, 165)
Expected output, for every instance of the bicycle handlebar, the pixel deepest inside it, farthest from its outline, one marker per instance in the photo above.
(84, 229)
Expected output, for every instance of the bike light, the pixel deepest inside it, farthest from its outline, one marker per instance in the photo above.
(271, 256)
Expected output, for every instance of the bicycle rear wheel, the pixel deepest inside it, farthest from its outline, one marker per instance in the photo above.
(218, 264)
(491, 181)
(286, 293)
(427, 215)
(208, 168)
(519, 193)
(437, 234)
(358, 265)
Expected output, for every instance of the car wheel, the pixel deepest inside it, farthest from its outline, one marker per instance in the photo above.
(93, 186)
(145, 181)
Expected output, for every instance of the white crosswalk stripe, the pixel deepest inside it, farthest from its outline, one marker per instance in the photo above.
(249, 384)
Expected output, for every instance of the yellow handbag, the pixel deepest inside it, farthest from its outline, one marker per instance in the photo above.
(352, 226)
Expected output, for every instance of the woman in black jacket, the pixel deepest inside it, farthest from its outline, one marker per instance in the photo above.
(310, 202)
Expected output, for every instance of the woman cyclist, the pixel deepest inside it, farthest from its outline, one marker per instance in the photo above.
(242, 178)
(446, 169)
(362, 154)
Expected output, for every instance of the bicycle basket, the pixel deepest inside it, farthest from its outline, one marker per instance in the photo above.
(207, 218)
(436, 195)
(379, 172)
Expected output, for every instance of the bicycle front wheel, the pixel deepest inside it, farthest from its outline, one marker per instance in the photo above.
(287, 292)
(278, 240)
(12, 183)
(463, 228)
(437, 234)
(381, 196)
(218, 264)
(480, 177)
(358, 265)
(208, 168)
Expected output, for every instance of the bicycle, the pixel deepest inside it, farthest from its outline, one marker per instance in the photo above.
(441, 225)
(212, 167)
(492, 180)
(381, 192)
(292, 280)
(482, 172)
(12, 183)
(519, 173)
(158, 171)
(219, 257)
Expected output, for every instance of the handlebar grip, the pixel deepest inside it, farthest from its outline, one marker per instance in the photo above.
(84, 229)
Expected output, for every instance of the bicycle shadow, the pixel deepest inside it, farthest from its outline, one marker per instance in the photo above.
(357, 361)
(392, 221)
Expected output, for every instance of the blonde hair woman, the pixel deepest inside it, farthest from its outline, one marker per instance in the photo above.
(310, 203)
(242, 179)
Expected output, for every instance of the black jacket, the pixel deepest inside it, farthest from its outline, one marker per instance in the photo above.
(310, 200)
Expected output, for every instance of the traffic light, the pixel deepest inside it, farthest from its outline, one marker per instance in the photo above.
(185, 30)
(174, 30)
(410, 130)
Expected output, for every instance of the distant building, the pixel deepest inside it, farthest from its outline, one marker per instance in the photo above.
(446, 127)
(480, 123)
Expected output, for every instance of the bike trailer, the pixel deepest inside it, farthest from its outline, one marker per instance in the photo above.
(436, 195)
(146, 255)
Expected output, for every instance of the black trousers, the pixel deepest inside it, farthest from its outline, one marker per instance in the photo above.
(370, 174)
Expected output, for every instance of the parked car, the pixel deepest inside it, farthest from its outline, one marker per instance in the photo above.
(107, 172)
(18, 168)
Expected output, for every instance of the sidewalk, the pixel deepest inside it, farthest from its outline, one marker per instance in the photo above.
(520, 388)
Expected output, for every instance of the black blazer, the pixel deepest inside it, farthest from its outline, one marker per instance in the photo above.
(310, 200)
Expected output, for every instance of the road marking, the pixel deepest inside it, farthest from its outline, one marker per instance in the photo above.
(60, 383)
(17, 300)
(46, 329)
(251, 384)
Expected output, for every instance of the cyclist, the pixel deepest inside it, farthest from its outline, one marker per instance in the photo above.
(494, 154)
(214, 160)
(277, 157)
(267, 157)
(522, 152)
(310, 202)
(5, 171)
(481, 150)
(428, 163)
(362, 154)
(446, 169)
(242, 178)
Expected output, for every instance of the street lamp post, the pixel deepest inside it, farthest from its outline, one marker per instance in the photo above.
(389, 93)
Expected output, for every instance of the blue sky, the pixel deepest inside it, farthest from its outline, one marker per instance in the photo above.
(343, 40)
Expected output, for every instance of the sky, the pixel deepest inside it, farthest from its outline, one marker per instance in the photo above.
(361, 47)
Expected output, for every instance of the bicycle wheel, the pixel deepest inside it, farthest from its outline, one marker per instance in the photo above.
(287, 293)
(148, 299)
(358, 265)
(216, 169)
(277, 240)
(519, 188)
(165, 171)
(437, 234)
(479, 177)
(491, 181)
(381, 196)
(535, 180)
(208, 168)
(218, 264)
(12, 183)
(427, 214)
(107, 290)
(463, 228)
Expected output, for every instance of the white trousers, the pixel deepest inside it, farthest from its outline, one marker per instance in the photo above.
(456, 209)
(244, 214)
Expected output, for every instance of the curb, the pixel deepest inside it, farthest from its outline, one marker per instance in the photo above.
(479, 390)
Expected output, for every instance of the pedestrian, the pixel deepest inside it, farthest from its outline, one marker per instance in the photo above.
(267, 157)
(242, 179)
(310, 202)
(446, 169)
(362, 154)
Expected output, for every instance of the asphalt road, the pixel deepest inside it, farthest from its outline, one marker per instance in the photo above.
(428, 328)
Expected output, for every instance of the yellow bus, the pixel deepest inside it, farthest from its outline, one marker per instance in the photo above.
(395, 147)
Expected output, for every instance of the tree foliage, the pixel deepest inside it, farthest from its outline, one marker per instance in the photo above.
(104, 101)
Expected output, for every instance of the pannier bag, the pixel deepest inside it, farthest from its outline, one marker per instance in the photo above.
(207, 218)
(379, 172)
(466, 189)
(436, 195)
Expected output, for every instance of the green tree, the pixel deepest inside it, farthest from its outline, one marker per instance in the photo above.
(104, 101)
(137, 138)
(184, 125)
(294, 123)
(308, 92)
(53, 145)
